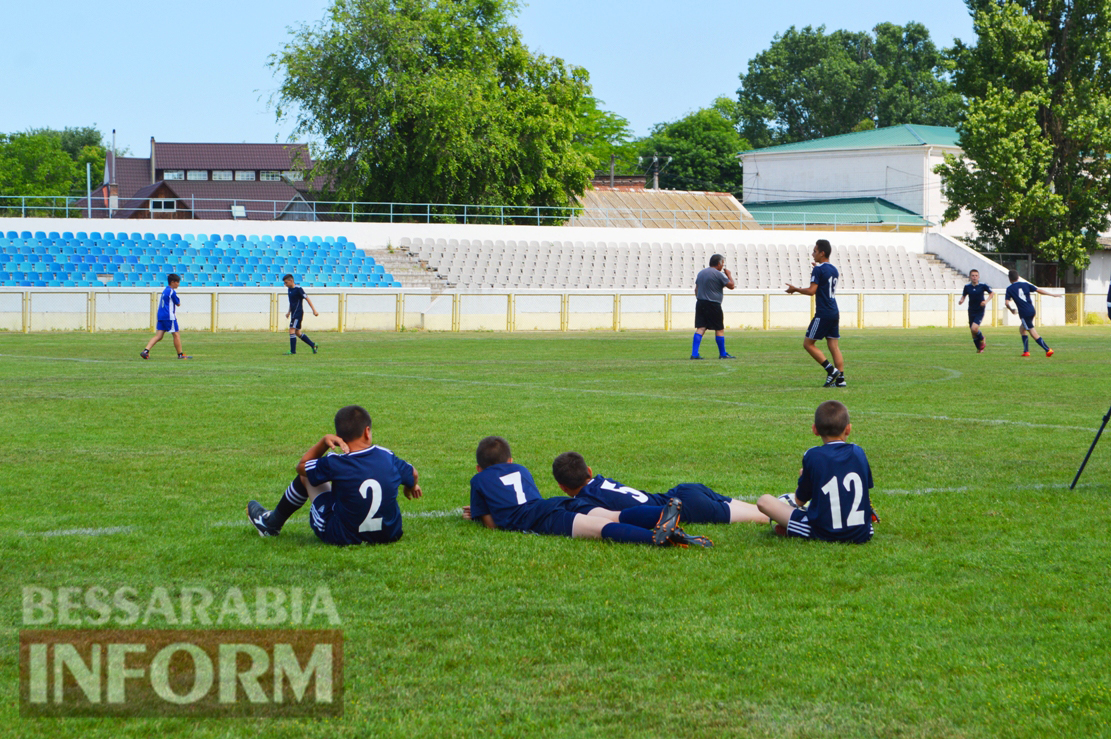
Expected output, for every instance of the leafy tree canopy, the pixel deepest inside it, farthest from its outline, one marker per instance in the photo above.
(602, 134)
(703, 147)
(810, 84)
(434, 101)
(47, 161)
(1035, 173)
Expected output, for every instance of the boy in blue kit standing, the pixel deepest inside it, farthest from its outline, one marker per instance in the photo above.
(978, 296)
(1019, 294)
(296, 314)
(167, 317)
(504, 496)
(827, 316)
(360, 504)
(834, 480)
(700, 503)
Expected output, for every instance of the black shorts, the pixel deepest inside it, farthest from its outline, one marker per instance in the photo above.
(824, 327)
(709, 315)
(701, 504)
(976, 318)
(295, 321)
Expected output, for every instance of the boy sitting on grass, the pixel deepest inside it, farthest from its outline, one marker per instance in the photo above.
(504, 496)
(700, 503)
(834, 480)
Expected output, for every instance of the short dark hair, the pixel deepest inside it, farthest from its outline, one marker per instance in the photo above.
(716, 260)
(1012, 275)
(173, 277)
(569, 469)
(973, 270)
(492, 450)
(351, 421)
(286, 277)
(831, 418)
(824, 247)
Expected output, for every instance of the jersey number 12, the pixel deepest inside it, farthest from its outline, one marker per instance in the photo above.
(853, 484)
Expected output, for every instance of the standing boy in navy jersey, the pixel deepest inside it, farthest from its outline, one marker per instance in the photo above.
(167, 317)
(700, 503)
(296, 314)
(504, 496)
(1019, 294)
(361, 505)
(834, 480)
(827, 316)
(978, 296)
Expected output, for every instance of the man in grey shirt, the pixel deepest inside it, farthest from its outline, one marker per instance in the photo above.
(709, 287)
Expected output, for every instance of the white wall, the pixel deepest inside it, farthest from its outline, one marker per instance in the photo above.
(1097, 277)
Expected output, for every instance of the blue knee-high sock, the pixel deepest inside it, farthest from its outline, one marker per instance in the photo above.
(293, 343)
(721, 345)
(625, 532)
(697, 343)
(1042, 344)
(979, 336)
(976, 339)
(644, 516)
(295, 496)
(305, 338)
(1025, 343)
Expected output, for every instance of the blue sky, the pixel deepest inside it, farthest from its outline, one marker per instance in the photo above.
(198, 71)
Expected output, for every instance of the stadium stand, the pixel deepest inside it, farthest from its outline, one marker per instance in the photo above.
(95, 259)
(472, 264)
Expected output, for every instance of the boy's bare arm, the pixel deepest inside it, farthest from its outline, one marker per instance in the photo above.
(320, 448)
(1046, 292)
(802, 290)
(486, 520)
(414, 490)
(311, 306)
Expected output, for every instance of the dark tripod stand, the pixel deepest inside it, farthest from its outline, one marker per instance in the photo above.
(1106, 418)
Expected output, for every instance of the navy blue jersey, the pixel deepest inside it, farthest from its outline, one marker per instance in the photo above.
(603, 492)
(825, 300)
(835, 480)
(976, 294)
(1021, 294)
(296, 297)
(167, 305)
(364, 484)
(509, 494)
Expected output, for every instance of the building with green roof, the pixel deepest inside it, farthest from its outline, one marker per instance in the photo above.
(881, 179)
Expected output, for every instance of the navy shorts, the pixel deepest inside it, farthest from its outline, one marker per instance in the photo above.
(295, 322)
(709, 315)
(329, 527)
(976, 318)
(799, 527)
(556, 516)
(700, 504)
(1027, 322)
(168, 326)
(824, 327)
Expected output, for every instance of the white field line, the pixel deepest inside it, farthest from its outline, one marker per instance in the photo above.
(62, 359)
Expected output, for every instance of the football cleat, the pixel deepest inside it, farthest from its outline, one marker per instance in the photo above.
(183, 356)
(315, 347)
(727, 355)
(1026, 354)
(145, 354)
(680, 538)
(779, 529)
(259, 517)
(695, 356)
(833, 378)
(1049, 353)
(789, 499)
(840, 381)
(290, 354)
(669, 521)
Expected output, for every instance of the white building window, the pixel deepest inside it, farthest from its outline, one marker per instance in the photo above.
(294, 175)
(163, 206)
(197, 174)
(245, 175)
(173, 174)
(221, 174)
(270, 176)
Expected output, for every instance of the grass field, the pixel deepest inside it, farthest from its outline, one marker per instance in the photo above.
(980, 608)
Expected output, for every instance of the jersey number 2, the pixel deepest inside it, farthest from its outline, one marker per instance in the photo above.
(370, 523)
(853, 484)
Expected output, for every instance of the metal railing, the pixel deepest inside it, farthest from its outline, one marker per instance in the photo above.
(62, 206)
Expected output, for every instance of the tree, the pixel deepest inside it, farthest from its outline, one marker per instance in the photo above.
(35, 164)
(85, 145)
(1035, 172)
(809, 84)
(703, 147)
(602, 134)
(434, 101)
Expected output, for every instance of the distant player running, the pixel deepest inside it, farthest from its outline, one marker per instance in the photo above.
(1019, 294)
(827, 316)
(167, 318)
(978, 297)
(296, 314)
(700, 503)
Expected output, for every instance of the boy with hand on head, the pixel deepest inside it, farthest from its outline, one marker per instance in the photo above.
(504, 496)
(1018, 293)
(700, 503)
(296, 314)
(834, 481)
(167, 317)
(353, 490)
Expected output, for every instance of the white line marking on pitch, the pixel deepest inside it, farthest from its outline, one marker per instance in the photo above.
(87, 532)
(61, 359)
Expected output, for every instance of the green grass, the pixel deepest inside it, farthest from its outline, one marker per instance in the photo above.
(980, 608)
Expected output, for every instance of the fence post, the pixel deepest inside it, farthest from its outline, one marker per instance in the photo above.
(510, 310)
(860, 310)
(92, 312)
(667, 311)
(455, 312)
(273, 312)
(906, 310)
(26, 317)
(89, 319)
(342, 311)
(767, 311)
(215, 310)
(617, 311)
(565, 299)
(153, 311)
(399, 319)
(950, 310)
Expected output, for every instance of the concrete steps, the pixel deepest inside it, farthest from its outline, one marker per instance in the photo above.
(407, 270)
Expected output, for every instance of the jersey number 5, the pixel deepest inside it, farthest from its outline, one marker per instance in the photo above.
(633, 492)
(370, 523)
(853, 484)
